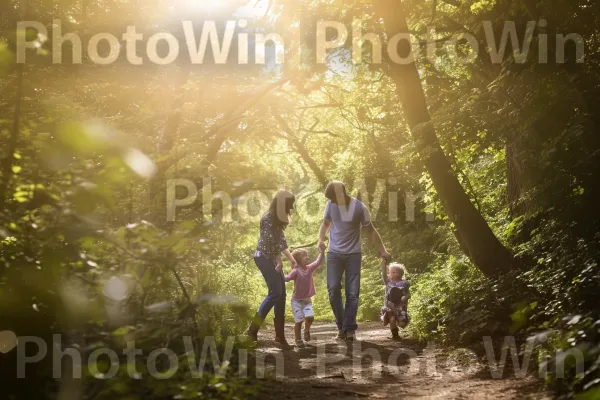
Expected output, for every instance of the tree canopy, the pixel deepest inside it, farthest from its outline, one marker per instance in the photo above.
(130, 195)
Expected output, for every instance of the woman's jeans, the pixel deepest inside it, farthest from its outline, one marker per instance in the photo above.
(276, 284)
(337, 265)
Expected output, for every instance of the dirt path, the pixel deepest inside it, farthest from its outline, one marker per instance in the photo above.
(376, 367)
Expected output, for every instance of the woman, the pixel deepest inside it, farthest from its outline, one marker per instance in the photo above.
(267, 257)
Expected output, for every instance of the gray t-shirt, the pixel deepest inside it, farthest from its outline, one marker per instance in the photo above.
(346, 221)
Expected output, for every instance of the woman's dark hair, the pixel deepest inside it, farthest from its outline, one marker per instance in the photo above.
(281, 208)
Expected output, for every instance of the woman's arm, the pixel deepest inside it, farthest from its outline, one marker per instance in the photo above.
(278, 263)
(288, 255)
(283, 246)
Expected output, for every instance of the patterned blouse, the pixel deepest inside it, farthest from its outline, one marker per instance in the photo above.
(272, 240)
(404, 285)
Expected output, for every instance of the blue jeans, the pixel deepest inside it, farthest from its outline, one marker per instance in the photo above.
(337, 264)
(276, 285)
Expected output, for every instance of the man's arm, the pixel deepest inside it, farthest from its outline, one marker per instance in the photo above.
(376, 241)
(325, 225)
(384, 274)
(374, 237)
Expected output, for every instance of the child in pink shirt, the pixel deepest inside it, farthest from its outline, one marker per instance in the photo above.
(304, 290)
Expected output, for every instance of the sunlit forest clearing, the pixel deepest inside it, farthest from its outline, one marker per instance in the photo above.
(142, 143)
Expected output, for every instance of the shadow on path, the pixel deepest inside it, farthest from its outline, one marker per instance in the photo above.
(375, 367)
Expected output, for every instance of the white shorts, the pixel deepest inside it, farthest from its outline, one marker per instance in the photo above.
(302, 309)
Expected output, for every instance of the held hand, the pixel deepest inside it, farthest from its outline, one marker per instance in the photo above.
(386, 257)
(279, 268)
(322, 246)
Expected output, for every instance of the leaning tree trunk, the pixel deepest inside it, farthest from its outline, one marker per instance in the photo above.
(302, 150)
(475, 236)
(166, 142)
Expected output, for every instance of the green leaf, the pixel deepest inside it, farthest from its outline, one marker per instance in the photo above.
(533, 305)
(592, 394)
(519, 319)
(84, 138)
(122, 330)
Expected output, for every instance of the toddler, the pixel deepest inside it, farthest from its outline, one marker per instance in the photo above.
(304, 290)
(394, 310)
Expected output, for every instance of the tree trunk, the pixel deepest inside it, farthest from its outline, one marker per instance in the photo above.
(475, 236)
(166, 141)
(302, 151)
(517, 205)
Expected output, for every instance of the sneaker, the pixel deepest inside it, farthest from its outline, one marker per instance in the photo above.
(350, 336)
(340, 335)
(299, 344)
(283, 343)
(306, 336)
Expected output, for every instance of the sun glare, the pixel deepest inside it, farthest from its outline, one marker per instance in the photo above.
(211, 8)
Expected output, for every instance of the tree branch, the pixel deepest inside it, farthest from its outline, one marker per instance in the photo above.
(302, 150)
(328, 105)
(304, 245)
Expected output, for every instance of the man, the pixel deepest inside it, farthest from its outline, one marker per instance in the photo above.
(344, 217)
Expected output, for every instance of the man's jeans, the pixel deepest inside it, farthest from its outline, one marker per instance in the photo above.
(276, 285)
(337, 264)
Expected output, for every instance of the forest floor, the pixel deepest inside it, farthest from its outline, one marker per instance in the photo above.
(376, 367)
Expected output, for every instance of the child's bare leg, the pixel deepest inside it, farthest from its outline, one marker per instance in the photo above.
(297, 331)
(307, 323)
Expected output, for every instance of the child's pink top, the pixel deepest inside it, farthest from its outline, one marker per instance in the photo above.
(304, 286)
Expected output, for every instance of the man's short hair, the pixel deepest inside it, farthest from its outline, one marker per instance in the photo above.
(335, 190)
